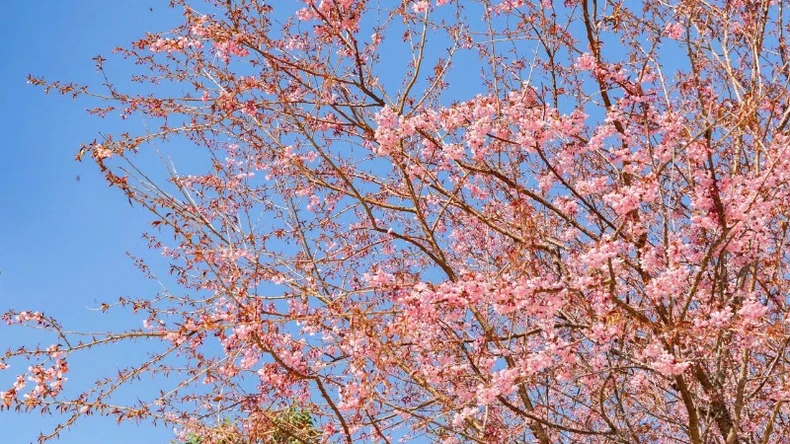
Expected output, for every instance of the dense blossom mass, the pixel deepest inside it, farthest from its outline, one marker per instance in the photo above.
(490, 221)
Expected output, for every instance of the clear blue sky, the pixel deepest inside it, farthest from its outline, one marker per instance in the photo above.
(64, 241)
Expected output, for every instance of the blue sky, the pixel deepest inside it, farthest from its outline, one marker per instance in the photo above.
(65, 240)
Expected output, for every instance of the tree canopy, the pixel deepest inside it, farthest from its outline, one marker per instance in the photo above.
(460, 221)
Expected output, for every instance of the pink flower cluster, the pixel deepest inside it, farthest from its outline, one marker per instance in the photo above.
(662, 361)
(226, 49)
(179, 44)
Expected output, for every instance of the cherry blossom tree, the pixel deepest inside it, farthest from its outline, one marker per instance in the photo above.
(456, 221)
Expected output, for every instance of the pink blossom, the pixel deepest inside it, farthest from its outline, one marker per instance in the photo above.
(752, 311)
(663, 362)
(586, 62)
(102, 152)
(674, 30)
(421, 6)
(228, 48)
